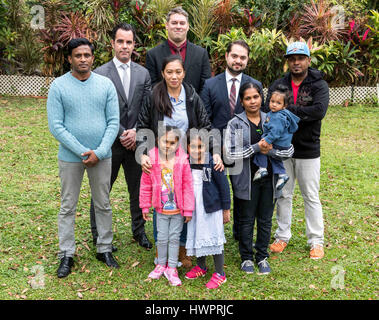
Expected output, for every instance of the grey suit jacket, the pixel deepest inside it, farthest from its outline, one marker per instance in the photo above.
(140, 86)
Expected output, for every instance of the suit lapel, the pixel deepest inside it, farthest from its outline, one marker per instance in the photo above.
(113, 74)
(133, 80)
(239, 107)
(224, 91)
(189, 52)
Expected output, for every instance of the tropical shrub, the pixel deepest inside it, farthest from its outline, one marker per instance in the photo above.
(18, 53)
(203, 19)
(338, 61)
(266, 53)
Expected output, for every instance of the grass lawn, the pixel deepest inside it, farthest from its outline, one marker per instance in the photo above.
(30, 200)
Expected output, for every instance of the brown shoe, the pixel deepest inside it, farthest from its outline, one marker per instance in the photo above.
(317, 252)
(278, 246)
(183, 258)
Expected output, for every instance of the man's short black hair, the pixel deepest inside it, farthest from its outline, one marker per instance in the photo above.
(241, 43)
(123, 26)
(74, 43)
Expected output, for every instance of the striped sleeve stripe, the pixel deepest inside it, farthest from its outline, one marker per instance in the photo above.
(285, 153)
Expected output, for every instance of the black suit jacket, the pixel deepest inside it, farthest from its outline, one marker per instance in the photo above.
(196, 64)
(140, 86)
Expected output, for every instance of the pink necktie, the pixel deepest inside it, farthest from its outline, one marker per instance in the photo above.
(232, 97)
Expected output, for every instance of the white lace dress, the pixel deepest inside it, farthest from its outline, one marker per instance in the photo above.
(205, 233)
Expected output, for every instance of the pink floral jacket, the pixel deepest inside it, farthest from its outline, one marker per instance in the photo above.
(150, 187)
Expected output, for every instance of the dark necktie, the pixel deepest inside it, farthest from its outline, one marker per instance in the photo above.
(232, 97)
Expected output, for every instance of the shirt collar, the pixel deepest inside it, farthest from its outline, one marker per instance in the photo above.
(118, 63)
(182, 96)
(230, 77)
(174, 46)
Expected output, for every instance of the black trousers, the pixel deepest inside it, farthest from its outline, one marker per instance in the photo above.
(260, 209)
(132, 172)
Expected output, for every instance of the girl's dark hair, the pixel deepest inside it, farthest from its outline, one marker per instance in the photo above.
(192, 136)
(167, 128)
(161, 99)
(283, 90)
(249, 85)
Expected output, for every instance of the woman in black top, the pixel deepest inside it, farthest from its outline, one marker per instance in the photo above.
(166, 105)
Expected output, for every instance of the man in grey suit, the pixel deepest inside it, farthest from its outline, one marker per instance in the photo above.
(132, 83)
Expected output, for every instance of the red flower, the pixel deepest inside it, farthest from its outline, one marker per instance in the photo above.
(351, 24)
(365, 35)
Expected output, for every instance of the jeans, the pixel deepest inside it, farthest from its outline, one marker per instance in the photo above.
(261, 159)
(71, 176)
(307, 173)
(169, 228)
(260, 208)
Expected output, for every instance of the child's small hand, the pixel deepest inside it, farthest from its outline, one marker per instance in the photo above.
(264, 143)
(219, 165)
(188, 219)
(146, 163)
(145, 216)
(264, 146)
(226, 216)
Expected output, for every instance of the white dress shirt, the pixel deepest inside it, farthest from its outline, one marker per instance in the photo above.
(229, 82)
(120, 70)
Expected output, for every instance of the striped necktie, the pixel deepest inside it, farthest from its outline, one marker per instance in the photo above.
(232, 97)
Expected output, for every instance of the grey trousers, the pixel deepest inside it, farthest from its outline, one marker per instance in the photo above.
(307, 174)
(71, 176)
(169, 228)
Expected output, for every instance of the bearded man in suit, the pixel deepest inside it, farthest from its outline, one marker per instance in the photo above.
(220, 95)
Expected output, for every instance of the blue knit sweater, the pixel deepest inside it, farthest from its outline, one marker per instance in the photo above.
(83, 116)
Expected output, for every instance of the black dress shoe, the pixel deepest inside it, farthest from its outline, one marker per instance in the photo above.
(65, 267)
(143, 241)
(114, 249)
(108, 259)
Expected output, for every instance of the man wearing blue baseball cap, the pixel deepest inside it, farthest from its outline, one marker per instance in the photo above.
(309, 100)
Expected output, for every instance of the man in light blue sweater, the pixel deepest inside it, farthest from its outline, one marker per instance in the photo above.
(83, 115)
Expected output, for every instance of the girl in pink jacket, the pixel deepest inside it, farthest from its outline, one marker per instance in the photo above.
(168, 188)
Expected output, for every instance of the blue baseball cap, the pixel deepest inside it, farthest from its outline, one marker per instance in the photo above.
(297, 48)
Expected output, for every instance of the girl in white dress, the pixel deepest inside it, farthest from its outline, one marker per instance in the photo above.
(205, 235)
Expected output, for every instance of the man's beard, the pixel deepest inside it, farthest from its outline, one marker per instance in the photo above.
(235, 72)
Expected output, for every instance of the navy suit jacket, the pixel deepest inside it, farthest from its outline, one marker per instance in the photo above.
(216, 100)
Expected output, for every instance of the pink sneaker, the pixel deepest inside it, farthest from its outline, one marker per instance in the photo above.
(195, 272)
(216, 281)
(157, 272)
(172, 276)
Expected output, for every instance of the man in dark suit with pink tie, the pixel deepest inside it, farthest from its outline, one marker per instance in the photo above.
(220, 94)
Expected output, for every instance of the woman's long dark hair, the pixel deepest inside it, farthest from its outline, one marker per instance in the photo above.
(161, 99)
